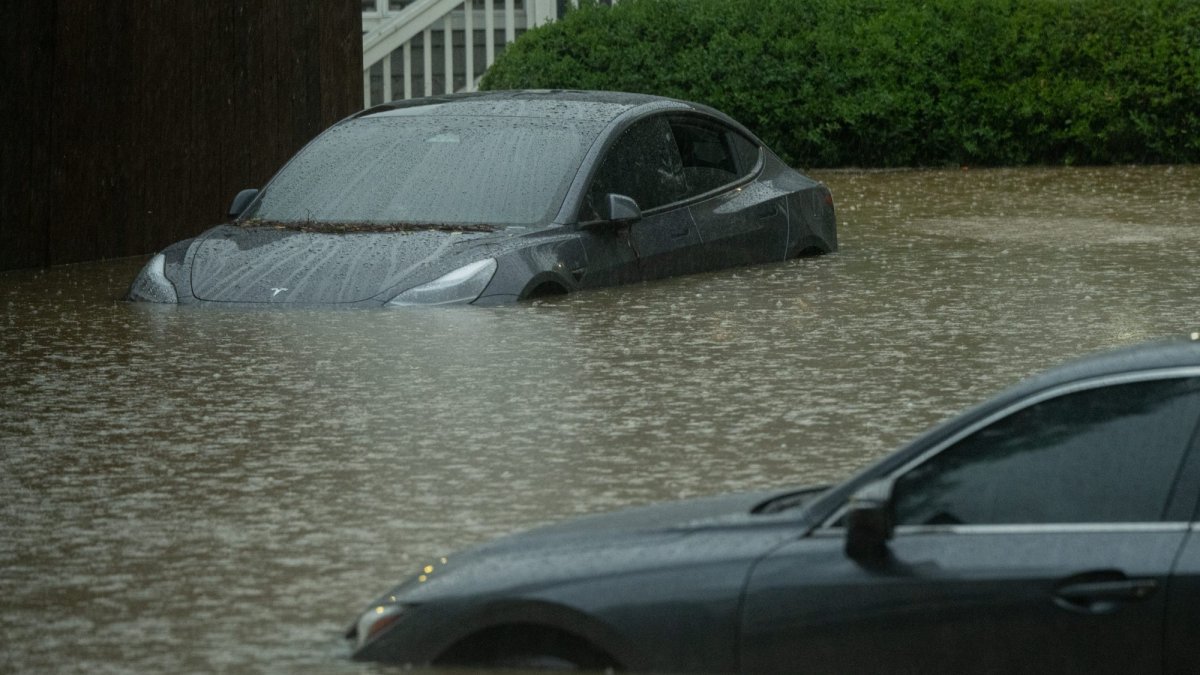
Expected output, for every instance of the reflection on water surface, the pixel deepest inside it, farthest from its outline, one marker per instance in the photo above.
(209, 489)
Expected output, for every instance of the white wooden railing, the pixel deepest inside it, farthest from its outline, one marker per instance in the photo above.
(456, 41)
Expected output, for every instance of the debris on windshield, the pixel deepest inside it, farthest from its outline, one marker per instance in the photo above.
(347, 228)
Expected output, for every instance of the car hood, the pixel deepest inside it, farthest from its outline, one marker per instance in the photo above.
(676, 516)
(270, 265)
(686, 532)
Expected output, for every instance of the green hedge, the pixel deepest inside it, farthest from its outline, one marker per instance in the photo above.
(899, 82)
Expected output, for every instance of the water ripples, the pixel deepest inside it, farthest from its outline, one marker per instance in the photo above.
(220, 490)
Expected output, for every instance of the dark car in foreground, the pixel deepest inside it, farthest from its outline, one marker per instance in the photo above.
(1052, 529)
(493, 197)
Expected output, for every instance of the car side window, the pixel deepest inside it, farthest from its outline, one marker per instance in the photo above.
(747, 152)
(1109, 454)
(644, 164)
(712, 155)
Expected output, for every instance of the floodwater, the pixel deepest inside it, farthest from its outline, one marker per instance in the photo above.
(215, 490)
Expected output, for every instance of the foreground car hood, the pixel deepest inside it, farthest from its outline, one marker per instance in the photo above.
(687, 560)
(257, 265)
(600, 545)
(682, 516)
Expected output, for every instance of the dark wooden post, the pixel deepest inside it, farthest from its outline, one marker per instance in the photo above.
(131, 125)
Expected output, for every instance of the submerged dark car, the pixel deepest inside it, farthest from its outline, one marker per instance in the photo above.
(1052, 529)
(495, 197)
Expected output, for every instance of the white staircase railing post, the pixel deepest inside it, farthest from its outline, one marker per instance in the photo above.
(407, 52)
(387, 77)
(469, 43)
(510, 22)
(386, 32)
(447, 55)
(489, 26)
(543, 11)
(427, 61)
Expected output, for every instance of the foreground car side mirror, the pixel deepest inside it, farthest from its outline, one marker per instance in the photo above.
(241, 201)
(870, 522)
(619, 209)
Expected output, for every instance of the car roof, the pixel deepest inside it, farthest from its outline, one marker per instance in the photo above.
(1163, 355)
(1169, 354)
(598, 106)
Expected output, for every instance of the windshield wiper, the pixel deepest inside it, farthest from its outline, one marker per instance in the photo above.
(790, 500)
(348, 228)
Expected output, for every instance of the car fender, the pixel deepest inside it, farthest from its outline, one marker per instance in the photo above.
(434, 632)
(520, 272)
(541, 613)
(542, 282)
(183, 272)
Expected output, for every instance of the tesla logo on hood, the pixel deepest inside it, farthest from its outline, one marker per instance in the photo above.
(277, 291)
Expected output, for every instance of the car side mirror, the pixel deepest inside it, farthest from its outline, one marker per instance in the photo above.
(870, 521)
(241, 201)
(619, 209)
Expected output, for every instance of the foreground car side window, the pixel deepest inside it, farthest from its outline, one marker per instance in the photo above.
(1109, 454)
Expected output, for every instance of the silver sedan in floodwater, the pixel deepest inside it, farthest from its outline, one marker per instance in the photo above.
(494, 197)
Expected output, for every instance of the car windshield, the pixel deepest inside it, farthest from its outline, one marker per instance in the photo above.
(384, 169)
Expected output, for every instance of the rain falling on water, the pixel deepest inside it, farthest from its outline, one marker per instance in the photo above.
(205, 489)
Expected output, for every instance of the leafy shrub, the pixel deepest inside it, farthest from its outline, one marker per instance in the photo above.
(899, 82)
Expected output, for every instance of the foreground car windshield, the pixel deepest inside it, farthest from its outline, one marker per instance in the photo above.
(496, 171)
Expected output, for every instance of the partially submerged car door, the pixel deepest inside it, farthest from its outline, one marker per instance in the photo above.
(742, 221)
(644, 164)
(1183, 593)
(1041, 541)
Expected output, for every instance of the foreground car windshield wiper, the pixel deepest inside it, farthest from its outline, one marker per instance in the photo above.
(341, 228)
(790, 500)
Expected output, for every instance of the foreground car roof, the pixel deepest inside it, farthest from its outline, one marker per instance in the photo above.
(1167, 354)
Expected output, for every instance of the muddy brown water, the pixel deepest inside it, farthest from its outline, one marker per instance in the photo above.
(217, 490)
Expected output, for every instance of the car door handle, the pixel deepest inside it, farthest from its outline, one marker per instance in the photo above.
(767, 211)
(1102, 597)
